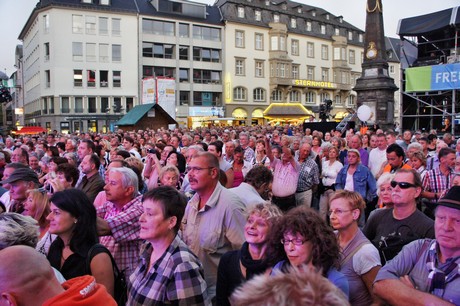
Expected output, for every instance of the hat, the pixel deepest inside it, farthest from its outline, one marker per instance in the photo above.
(22, 174)
(452, 198)
(354, 151)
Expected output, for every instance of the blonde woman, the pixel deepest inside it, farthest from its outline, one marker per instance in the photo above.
(329, 170)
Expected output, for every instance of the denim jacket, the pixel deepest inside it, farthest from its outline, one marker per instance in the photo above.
(363, 181)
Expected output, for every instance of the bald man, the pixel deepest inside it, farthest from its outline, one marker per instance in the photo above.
(26, 278)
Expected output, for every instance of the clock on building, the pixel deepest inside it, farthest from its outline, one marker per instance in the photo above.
(371, 51)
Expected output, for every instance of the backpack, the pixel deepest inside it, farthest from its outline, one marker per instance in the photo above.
(389, 246)
(120, 287)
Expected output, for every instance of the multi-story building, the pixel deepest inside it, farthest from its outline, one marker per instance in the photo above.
(287, 52)
(80, 63)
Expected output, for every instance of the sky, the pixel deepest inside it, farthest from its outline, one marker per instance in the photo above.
(16, 12)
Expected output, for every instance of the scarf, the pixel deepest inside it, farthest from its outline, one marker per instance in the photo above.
(439, 277)
(253, 267)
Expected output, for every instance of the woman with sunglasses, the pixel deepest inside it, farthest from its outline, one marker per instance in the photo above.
(304, 239)
(359, 259)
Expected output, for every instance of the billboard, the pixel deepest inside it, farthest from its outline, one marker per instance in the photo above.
(162, 91)
(432, 78)
(148, 91)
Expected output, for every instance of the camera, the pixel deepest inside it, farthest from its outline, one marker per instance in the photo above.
(153, 151)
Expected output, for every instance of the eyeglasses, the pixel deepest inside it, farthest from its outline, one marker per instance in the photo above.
(190, 169)
(402, 185)
(339, 212)
(295, 241)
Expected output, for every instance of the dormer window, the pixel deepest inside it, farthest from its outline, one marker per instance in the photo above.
(258, 15)
(337, 31)
(327, 16)
(360, 37)
(313, 13)
(276, 18)
(308, 26)
(293, 23)
(87, 1)
(284, 6)
(350, 35)
(323, 29)
(267, 2)
(240, 12)
(299, 10)
(341, 19)
(104, 2)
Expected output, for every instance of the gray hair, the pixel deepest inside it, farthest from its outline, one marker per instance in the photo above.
(385, 178)
(16, 229)
(128, 178)
(415, 145)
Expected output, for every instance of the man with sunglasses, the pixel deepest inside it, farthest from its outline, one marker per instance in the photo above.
(390, 229)
(427, 270)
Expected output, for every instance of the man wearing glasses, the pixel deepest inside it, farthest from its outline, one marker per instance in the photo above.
(390, 229)
(427, 270)
(213, 222)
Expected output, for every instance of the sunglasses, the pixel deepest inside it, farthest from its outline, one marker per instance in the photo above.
(402, 185)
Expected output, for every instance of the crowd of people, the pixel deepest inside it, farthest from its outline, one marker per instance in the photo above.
(230, 216)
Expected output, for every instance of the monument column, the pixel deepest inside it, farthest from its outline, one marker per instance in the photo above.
(375, 88)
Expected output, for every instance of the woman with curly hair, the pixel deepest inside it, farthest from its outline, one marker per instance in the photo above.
(304, 239)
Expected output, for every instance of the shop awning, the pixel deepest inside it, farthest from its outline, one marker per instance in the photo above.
(287, 110)
(134, 115)
(30, 130)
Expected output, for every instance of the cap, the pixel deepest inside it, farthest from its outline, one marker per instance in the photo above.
(22, 174)
(451, 199)
(354, 151)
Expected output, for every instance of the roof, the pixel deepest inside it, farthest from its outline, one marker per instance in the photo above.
(139, 111)
(287, 110)
(418, 25)
(30, 130)
(134, 115)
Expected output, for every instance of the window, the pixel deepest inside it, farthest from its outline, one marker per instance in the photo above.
(240, 12)
(360, 37)
(325, 74)
(351, 56)
(215, 77)
(259, 66)
(344, 77)
(274, 43)
(78, 78)
(215, 56)
(281, 70)
(46, 23)
(276, 18)
(184, 97)
(239, 39)
(282, 43)
(310, 49)
(239, 94)
(294, 47)
(258, 15)
(47, 51)
(116, 53)
(299, 10)
(91, 78)
(259, 41)
(338, 100)
(177, 7)
(105, 105)
(308, 26)
(51, 105)
(324, 96)
(239, 67)
(323, 29)
(324, 52)
(116, 78)
(183, 75)
(259, 95)
(158, 27)
(103, 78)
(337, 31)
(277, 95)
(183, 52)
(91, 52)
(77, 24)
(183, 30)
(118, 108)
(350, 35)
(310, 72)
(78, 104)
(351, 100)
(65, 105)
(104, 2)
(206, 55)
(327, 16)
(92, 105)
(267, 2)
(45, 106)
(294, 96)
(47, 78)
(310, 97)
(157, 50)
(90, 25)
(336, 53)
(103, 26)
(168, 72)
(206, 33)
(295, 71)
(313, 13)
(293, 23)
(104, 53)
(392, 69)
(116, 26)
(205, 76)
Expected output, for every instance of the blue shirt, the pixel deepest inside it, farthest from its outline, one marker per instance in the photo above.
(363, 181)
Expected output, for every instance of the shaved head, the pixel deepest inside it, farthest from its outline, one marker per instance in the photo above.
(26, 277)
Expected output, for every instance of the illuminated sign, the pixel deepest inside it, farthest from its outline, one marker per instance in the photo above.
(315, 84)
(430, 78)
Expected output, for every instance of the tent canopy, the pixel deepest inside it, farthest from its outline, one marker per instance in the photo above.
(419, 25)
(30, 130)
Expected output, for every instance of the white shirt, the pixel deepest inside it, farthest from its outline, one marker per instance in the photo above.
(248, 195)
(377, 158)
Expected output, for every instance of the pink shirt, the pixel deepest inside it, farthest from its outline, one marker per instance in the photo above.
(285, 178)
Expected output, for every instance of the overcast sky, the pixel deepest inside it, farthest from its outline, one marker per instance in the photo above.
(15, 14)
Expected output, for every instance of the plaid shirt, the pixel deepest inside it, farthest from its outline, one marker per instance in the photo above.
(308, 175)
(435, 181)
(124, 225)
(177, 278)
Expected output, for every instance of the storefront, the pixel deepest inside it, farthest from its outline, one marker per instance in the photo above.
(287, 113)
